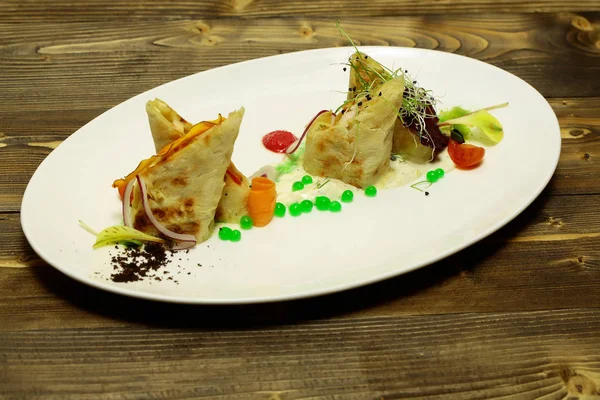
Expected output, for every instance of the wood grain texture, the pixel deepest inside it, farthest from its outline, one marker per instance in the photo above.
(513, 317)
(98, 65)
(536, 355)
(97, 10)
(547, 258)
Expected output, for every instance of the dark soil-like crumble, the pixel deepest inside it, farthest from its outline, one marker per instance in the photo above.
(136, 263)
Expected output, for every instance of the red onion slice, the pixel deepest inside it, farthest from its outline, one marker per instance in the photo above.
(127, 203)
(183, 241)
(294, 146)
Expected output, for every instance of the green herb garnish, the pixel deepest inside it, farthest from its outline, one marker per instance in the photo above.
(368, 75)
(320, 184)
(421, 186)
(482, 120)
(119, 234)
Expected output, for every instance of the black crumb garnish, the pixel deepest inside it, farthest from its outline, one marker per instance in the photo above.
(136, 263)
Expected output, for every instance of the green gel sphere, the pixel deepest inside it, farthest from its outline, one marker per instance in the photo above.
(432, 176)
(307, 179)
(306, 206)
(347, 196)
(225, 233)
(335, 206)
(371, 191)
(322, 203)
(235, 235)
(295, 209)
(439, 173)
(279, 210)
(246, 222)
(297, 186)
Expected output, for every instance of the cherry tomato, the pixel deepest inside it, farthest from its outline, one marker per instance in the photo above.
(465, 155)
(278, 141)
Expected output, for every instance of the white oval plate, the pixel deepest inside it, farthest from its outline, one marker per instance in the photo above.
(370, 240)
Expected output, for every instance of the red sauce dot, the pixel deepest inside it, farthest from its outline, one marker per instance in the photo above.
(278, 141)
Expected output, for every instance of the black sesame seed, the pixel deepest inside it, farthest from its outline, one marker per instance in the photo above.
(343, 111)
(380, 93)
(426, 193)
(344, 68)
(366, 57)
(359, 103)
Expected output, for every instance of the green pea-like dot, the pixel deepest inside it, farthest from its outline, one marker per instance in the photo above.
(225, 233)
(306, 206)
(307, 179)
(432, 176)
(322, 203)
(371, 191)
(439, 173)
(335, 206)
(246, 222)
(236, 235)
(295, 209)
(347, 196)
(297, 186)
(279, 210)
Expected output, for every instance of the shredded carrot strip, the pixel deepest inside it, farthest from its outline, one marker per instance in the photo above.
(261, 201)
(169, 149)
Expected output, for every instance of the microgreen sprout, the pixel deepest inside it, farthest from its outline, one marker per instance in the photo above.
(320, 184)
(421, 186)
(367, 75)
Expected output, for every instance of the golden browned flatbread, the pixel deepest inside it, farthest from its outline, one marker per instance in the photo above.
(185, 183)
(355, 146)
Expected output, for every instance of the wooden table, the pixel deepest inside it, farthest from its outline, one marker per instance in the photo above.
(516, 316)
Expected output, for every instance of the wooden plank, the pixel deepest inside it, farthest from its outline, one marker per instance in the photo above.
(554, 240)
(97, 10)
(98, 65)
(531, 355)
(23, 148)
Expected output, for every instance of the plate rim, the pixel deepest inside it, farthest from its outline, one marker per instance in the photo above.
(492, 228)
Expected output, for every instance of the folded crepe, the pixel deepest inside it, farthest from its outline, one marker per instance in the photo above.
(184, 181)
(409, 139)
(167, 125)
(234, 200)
(365, 73)
(355, 145)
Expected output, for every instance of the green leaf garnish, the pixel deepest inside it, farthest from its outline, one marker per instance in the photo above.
(480, 119)
(120, 234)
(457, 136)
(455, 112)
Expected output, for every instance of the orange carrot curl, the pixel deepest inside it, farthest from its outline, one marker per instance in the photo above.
(261, 201)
